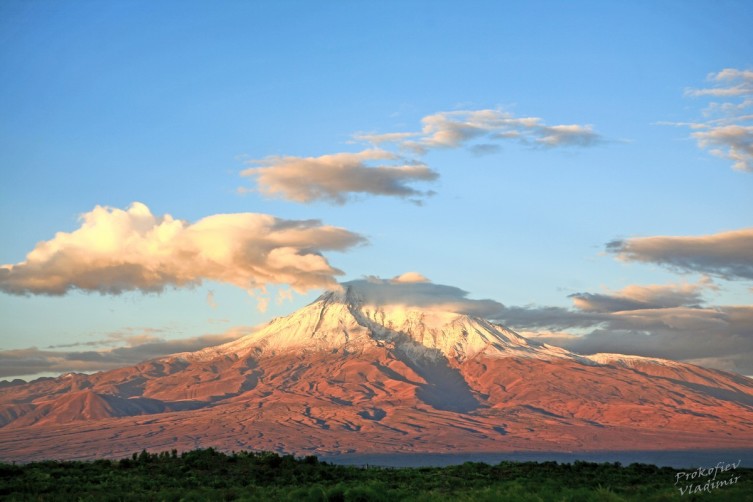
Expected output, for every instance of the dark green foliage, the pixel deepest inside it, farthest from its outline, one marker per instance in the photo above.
(250, 476)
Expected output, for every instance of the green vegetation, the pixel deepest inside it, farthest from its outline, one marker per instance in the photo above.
(211, 475)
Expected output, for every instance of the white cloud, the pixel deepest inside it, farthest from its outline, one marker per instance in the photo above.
(460, 128)
(453, 129)
(727, 131)
(116, 250)
(262, 304)
(718, 336)
(379, 139)
(284, 295)
(410, 277)
(732, 142)
(726, 254)
(635, 297)
(336, 177)
(728, 82)
(567, 135)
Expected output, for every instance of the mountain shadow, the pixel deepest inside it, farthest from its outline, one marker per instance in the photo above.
(445, 388)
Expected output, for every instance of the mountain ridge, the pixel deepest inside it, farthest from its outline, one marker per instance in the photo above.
(345, 374)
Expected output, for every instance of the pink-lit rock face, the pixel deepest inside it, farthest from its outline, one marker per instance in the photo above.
(343, 376)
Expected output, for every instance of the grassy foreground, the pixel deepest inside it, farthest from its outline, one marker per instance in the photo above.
(211, 475)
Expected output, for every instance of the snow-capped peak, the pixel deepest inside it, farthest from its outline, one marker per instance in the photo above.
(346, 320)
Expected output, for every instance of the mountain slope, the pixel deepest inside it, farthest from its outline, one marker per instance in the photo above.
(344, 374)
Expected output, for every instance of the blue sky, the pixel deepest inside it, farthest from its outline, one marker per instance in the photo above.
(167, 103)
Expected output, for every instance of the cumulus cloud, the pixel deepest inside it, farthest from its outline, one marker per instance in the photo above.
(727, 130)
(725, 254)
(336, 177)
(118, 250)
(31, 362)
(462, 127)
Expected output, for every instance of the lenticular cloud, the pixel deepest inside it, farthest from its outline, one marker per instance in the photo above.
(118, 250)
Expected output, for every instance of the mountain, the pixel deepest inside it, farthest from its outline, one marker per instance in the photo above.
(345, 374)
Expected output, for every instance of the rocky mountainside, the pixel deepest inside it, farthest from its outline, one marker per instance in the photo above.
(346, 375)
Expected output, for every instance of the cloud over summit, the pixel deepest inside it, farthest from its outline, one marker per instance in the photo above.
(669, 321)
(118, 250)
(414, 290)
